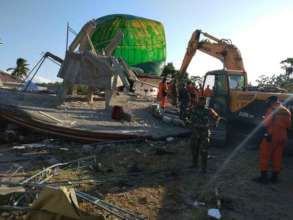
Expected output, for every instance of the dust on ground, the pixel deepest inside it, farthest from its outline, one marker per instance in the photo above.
(155, 179)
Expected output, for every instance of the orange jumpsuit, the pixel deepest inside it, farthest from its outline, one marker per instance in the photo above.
(208, 92)
(276, 125)
(162, 94)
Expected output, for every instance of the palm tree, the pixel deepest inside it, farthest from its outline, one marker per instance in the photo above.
(21, 69)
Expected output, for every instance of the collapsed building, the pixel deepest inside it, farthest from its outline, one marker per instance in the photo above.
(130, 46)
(143, 47)
(119, 59)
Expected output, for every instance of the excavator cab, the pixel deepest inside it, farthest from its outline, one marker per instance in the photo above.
(217, 82)
(224, 84)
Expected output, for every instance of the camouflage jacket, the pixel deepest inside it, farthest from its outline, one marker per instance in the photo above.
(200, 118)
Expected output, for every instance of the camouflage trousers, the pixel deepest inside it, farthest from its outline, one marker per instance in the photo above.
(199, 144)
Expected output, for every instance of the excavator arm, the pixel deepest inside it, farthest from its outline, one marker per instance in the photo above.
(190, 51)
(223, 50)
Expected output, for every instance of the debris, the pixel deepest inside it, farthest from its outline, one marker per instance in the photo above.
(138, 151)
(219, 203)
(52, 160)
(178, 122)
(115, 210)
(156, 111)
(5, 190)
(10, 135)
(170, 119)
(43, 175)
(167, 119)
(43, 144)
(143, 200)
(21, 147)
(162, 151)
(86, 148)
(211, 157)
(197, 204)
(99, 167)
(4, 214)
(50, 171)
(134, 168)
(15, 172)
(115, 189)
(58, 202)
(214, 213)
(169, 139)
(20, 116)
(51, 117)
(126, 116)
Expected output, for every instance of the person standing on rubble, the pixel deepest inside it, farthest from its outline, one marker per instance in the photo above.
(277, 120)
(162, 93)
(200, 122)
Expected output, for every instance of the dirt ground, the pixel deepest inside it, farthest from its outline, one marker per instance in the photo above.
(155, 178)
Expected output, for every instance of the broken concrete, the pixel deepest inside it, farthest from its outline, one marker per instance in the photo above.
(80, 121)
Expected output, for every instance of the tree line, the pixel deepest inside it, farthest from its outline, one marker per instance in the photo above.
(281, 80)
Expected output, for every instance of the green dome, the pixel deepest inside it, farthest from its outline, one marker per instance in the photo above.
(143, 45)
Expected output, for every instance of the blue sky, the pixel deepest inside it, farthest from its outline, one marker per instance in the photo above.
(28, 28)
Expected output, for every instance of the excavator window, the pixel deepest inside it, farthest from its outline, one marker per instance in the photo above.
(217, 83)
(236, 82)
(210, 81)
(221, 85)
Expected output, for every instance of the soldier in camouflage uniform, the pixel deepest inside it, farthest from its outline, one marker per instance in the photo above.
(200, 123)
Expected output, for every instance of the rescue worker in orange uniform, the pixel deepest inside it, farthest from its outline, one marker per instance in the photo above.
(208, 93)
(162, 93)
(276, 122)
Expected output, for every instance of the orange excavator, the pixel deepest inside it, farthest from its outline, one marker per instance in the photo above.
(222, 49)
(231, 97)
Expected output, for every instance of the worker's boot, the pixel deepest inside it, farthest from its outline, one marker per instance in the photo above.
(263, 178)
(275, 177)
